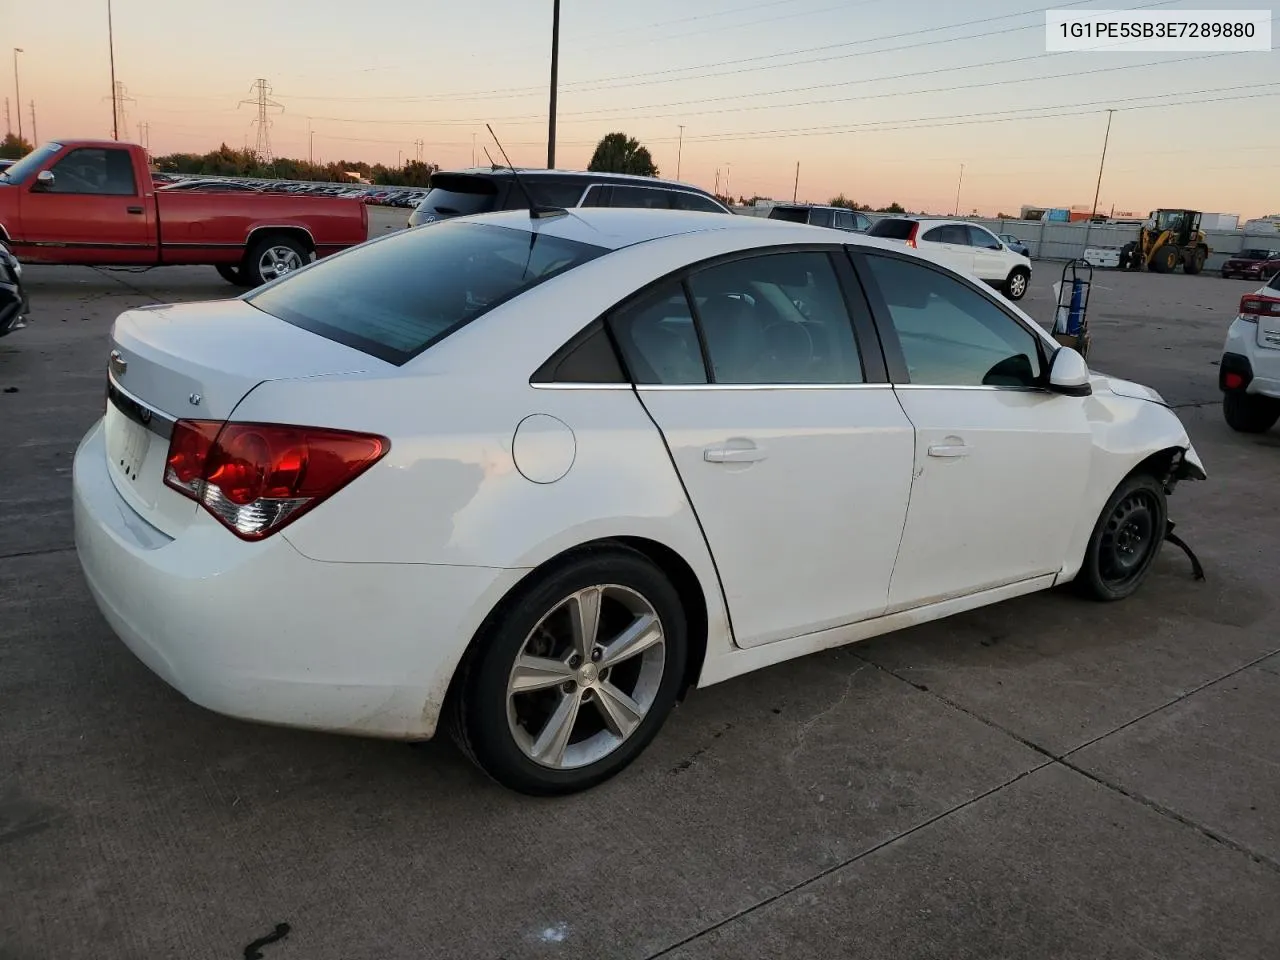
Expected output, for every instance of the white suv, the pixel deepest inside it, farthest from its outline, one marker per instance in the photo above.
(1249, 375)
(962, 246)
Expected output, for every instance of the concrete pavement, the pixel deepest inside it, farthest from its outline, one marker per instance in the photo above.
(1043, 778)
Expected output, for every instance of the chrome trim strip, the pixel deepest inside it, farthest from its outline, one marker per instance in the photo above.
(933, 386)
(154, 420)
(764, 386)
(580, 386)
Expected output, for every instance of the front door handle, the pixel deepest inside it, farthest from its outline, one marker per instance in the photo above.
(134, 209)
(733, 451)
(949, 450)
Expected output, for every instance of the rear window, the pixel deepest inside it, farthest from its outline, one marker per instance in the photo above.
(395, 297)
(891, 229)
(790, 214)
(458, 196)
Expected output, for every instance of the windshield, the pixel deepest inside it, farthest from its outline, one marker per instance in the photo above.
(36, 158)
(395, 297)
(1254, 255)
(791, 214)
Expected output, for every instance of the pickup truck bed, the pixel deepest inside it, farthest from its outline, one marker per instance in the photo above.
(93, 202)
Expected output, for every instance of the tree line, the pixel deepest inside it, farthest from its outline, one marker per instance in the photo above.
(228, 162)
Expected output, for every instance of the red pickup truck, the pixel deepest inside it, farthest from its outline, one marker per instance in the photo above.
(93, 202)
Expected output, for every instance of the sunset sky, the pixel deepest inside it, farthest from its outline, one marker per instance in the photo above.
(879, 99)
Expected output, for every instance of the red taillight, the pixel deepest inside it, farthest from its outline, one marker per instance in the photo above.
(1232, 381)
(1254, 305)
(257, 477)
(911, 237)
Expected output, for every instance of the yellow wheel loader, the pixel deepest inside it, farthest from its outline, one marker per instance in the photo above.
(1168, 238)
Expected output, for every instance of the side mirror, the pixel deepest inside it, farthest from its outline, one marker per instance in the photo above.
(1069, 374)
(44, 180)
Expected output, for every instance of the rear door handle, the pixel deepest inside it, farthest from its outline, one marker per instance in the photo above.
(949, 450)
(733, 451)
(134, 209)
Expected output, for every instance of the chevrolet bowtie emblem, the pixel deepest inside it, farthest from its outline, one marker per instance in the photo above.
(117, 363)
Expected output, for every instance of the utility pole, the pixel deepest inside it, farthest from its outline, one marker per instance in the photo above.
(17, 89)
(1101, 164)
(111, 47)
(679, 151)
(311, 143)
(34, 138)
(796, 189)
(555, 72)
(960, 181)
(262, 100)
(8, 123)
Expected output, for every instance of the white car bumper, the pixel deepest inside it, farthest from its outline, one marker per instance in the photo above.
(258, 631)
(1264, 362)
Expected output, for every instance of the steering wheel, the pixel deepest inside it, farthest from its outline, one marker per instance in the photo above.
(789, 343)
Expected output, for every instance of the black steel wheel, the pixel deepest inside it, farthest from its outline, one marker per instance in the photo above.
(1125, 540)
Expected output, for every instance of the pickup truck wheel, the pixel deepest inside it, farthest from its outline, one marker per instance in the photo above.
(232, 273)
(274, 257)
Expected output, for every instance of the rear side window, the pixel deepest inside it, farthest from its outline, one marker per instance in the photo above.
(790, 214)
(396, 297)
(891, 229)
(821, 218)
(694, 201)
(640, 197)
(658, 339)
(549, 193)
(951, 233)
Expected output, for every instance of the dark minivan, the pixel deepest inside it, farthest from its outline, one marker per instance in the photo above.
(840, 218)
(484, 190)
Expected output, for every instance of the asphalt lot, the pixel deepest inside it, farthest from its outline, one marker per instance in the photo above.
(1045, 778)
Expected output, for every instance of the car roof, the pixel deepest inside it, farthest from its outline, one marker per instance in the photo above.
(616, 227)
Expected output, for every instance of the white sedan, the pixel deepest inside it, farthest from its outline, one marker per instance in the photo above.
(541, 476)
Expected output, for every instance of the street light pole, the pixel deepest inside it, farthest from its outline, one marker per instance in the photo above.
(17, 88)
(960, 181)
(679, 151)
(111, 46)
(1102, 163)
(555, 71)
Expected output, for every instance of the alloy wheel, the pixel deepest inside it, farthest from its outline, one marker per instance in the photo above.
(586, 677)
(1018, 285)
(277, 261)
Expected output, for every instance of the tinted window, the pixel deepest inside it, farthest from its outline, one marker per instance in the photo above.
(551, 193)
(982, 238)
(779, 318)
(790, 214)
(588, 358)
(597, 195)
(950, 233)
(395, 297)
(951, 335)
(658, 339)
(864, 223)
(819, 217)
(1254, 255)
(458, 196)
(892, 229)
(695, 201)
(1274, 283)
(94, 170)
(641, 197)
(844, 220)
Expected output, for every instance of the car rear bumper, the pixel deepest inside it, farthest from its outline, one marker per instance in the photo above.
(1259, 367)
(260, 632)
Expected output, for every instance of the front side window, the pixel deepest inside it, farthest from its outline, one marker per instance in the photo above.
(395, 297)
(776, 319)
(864, 223)
(94, 170)
(950, 334)
(844, 220)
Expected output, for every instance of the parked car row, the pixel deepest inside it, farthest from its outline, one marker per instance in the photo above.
(381, 196)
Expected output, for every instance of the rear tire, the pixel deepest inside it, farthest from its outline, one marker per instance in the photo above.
(608, 709)
(1249, 413)
(272, 257)
(1125, 541)
(232, 273)
(1016, 284)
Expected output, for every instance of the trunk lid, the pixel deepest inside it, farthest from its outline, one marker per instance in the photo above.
(195, 361)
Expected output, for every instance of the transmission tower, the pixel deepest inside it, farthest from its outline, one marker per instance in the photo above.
(261, 91)
(417, 147)
(144, 134)
(117, 106)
